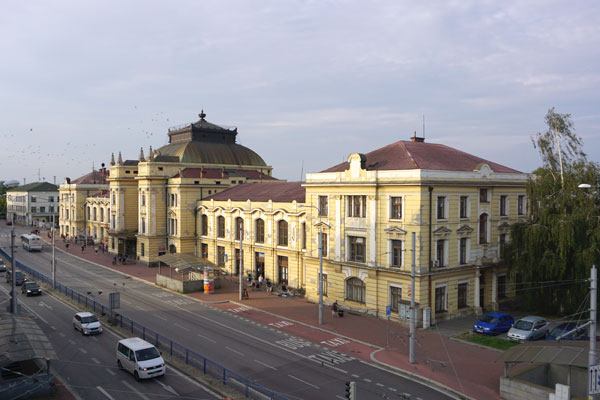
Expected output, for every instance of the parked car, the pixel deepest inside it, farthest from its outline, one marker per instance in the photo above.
(19, 280)
(140, 358)
(528, 328)
(8, 222)
(31, 289)
(494, 323)
(579, 334)
(2, 266)
(87, 323)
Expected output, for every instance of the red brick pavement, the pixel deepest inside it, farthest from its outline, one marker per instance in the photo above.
(462, 367)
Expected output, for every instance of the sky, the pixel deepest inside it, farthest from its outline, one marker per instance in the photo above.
(306, 83)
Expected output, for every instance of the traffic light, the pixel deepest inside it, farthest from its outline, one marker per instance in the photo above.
(350, 390)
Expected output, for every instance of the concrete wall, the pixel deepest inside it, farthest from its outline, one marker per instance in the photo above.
(183, 287)
(516, 389)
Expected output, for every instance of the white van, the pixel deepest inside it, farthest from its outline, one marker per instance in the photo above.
(140, 358)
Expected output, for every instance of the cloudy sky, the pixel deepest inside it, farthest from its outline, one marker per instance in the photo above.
(306, 82)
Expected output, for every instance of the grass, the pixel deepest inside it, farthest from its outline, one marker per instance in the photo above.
(488, 341)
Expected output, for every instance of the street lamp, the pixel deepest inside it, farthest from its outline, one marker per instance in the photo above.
(320, 262)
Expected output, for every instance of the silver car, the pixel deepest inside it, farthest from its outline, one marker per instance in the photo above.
(528, 328)
(87, 323)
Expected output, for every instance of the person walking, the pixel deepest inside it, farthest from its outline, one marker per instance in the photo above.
(334, 308)
(115, 260)
(82, 247)
(260, 280)
(269, 286)
(96, 249)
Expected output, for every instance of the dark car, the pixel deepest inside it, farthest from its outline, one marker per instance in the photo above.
(31, 289)
(2, 266)
(579, 334)
(19, 280)
(493, 323)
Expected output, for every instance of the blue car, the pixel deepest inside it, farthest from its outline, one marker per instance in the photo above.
(580, 334)
(494, 323)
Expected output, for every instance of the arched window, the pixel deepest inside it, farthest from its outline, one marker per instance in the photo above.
(221, 226)
(101, 214)
(88, 213)
(483, 222)
(95, 214)
(260, 231)
(172, 249)
(282, 233)
(355, 290)
(239, 226)
(204, 224)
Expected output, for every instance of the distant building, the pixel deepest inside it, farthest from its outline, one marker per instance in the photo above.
(33, 204)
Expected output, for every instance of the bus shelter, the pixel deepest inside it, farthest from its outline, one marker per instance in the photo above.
(187, 273)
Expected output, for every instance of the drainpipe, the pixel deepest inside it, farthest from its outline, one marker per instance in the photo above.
(430, 241)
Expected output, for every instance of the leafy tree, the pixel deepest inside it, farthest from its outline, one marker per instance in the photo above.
(560, 241)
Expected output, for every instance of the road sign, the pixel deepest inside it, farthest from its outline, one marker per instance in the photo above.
(114, 300)
(388, 310)
(594, 379)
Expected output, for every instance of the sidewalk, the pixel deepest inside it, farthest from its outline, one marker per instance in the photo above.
(459, 366)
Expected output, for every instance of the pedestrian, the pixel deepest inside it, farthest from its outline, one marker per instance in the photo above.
(269, 286)
(260, 280)
(115, 260)
(102, 247)
(82, 247)
(334, 308)
(253, 282)
(96, 249)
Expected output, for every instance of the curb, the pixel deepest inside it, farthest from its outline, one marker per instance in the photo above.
(474, 344)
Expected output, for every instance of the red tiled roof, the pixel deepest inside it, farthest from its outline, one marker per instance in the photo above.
(104, 193)
(264, 191)
(217, 173)
(420, 155)
(95, 177)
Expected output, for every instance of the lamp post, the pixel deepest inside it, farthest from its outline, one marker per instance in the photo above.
(320, 262)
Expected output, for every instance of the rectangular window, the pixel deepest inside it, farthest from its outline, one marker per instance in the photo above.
(440, 251)
(396, 253)
(502, 287)
(143, 225)
(357, 249)
(33, 209)
(260, 231)
(483, 195)
(464, 202)
(304, 236)
(324, 284)
(440, 299)
(463, 251)
(143, 199)
(221, 226)
(323, 206)
(204, 224)
(42, 209)
(357, 206)
(282, 263)
(204, 250)
(503, 206)
(142, 249)
(33, 199)
(51, 199)
(51, 208)
(220, 256)
(441, 207)
(521, 205)
(396, 211)
(324, 243)
(502, 242)
(463, 289)
(395, 297)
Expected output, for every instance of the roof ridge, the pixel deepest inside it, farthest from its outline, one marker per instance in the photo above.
(403, 143)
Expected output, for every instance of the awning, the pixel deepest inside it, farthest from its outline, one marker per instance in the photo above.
(22, 339)
(564, 352)
(185, 262)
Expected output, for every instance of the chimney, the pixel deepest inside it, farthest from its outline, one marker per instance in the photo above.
(416, 139)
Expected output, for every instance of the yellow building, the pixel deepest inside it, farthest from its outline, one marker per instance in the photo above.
(270, 219)
(459, 208)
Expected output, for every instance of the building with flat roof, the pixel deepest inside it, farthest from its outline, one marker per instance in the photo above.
(34, 204)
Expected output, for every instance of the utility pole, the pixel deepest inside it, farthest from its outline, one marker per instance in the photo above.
(241, 266)
(320, 275)
(411, 352)
(593, 304)
(53, 257)
(13, 293)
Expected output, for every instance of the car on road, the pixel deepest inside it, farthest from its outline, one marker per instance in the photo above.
(140, 358)
(493, 323)
(87, 323)
(19, 277)
(31, 289)
(528, 328)
(579, 334)
(9, 222)
(2, 266)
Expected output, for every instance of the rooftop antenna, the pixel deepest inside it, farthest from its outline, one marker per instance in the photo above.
(423, 126)
(39, 176)
(302, 171)
(55, 179)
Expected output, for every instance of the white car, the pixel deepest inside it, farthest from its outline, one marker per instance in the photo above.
(140, 358)
(87, 323)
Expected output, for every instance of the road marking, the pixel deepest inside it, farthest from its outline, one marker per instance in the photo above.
(307, 383)
(207, 338)
(181, 326)
(355, 376)
(265, 365)
(194, 382)
(140, 308)
(52, 327)
(235, 351)
(393, 390)
(72, 342)
(167, 388)
(335, 342)
(340, 397)
(380, 385)
(95, 360)
(110, 371)
(125, 301)
(367, 380)
(104, 393)
(61, 334)
(159, 317)
(94, 338)
(84, 351)
(143, 396)
(280, 324)
(294, 343)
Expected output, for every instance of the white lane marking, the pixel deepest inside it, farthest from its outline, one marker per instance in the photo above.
(355, 376)
(367, 380)
(265, 365)
(307, 383)
(84, 351)
(104, 393)
(235, 351)
(205, 388)
(159, 317)
(72, 341)
(125, 301)
(140, 308)
(380, 385)
(94, 338)
(207, 338)
(61, 334)
(95, 360)
(52, 327)
(181, 326)
(392, 389)
(110, 371)
(167, 388)
(143, 396)
(340, 397)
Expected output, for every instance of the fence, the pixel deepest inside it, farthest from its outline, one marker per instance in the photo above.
(224, 375)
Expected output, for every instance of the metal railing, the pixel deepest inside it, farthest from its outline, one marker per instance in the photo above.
(227, 377)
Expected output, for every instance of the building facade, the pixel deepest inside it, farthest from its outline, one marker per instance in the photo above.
(34, 204)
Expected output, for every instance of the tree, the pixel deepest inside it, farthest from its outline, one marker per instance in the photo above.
(560, 241)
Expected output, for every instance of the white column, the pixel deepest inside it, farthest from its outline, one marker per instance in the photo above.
(476, 292)
(372, 230)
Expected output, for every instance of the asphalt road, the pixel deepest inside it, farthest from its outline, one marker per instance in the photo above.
(302, 370)
(87, 364)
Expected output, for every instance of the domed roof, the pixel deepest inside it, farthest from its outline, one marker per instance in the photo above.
(205, 143)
